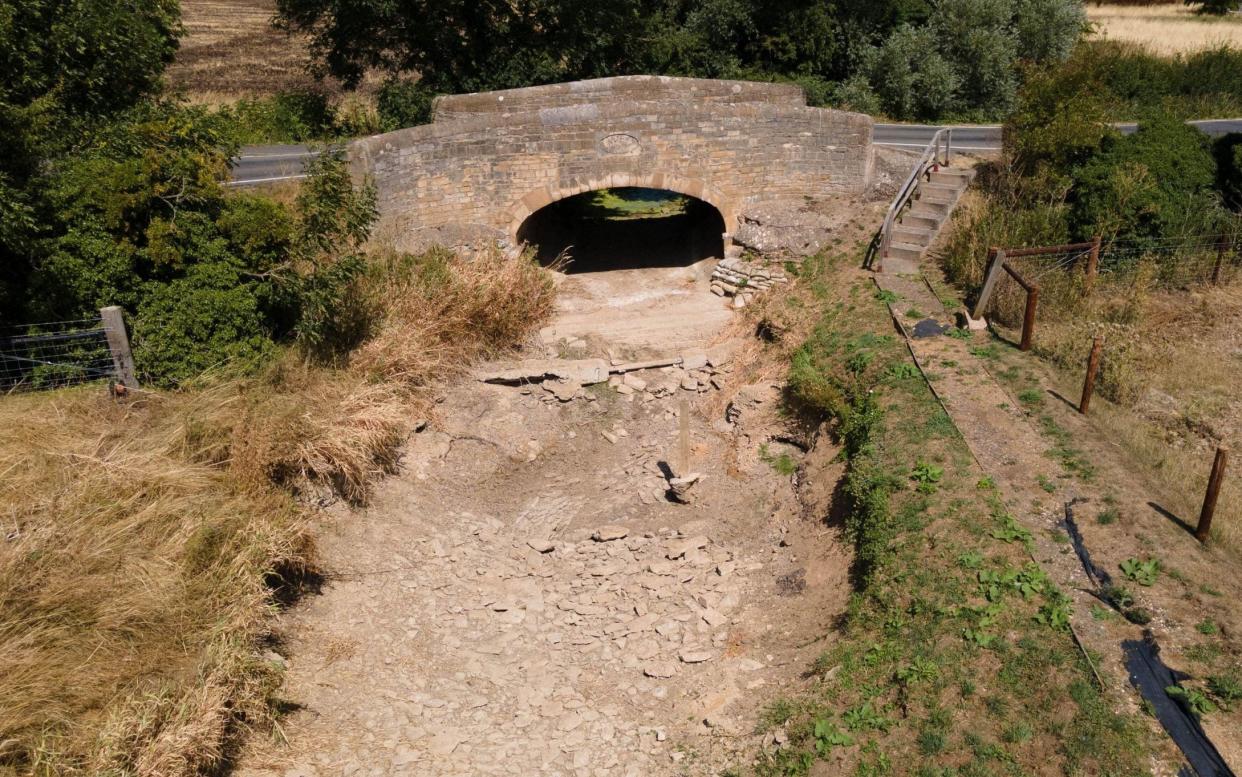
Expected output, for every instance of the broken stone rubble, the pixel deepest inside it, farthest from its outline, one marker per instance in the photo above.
(739, 277)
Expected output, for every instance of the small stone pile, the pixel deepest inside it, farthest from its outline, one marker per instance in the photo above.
(742, 278)
(699, 370)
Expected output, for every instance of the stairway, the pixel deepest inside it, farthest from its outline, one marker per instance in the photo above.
(930, 207)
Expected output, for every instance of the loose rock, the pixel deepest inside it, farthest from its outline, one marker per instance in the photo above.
(610, 533)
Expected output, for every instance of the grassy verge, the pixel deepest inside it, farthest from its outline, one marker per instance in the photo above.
(144, 546)
(955, 658)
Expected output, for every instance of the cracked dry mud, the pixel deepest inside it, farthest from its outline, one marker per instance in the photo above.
(472, 625)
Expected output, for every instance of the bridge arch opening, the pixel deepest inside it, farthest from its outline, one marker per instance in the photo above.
(625, 228)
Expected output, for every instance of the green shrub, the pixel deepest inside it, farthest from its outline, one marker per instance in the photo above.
(1047, 30)
(1132, 80)
(1228, 152)
(909, 77)
(404, 104)
(287, 117)
(1060, 121)
(1144, 186)
(976, 36)
(208, 319)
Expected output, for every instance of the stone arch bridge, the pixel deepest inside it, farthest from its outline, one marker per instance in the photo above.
(489, 160)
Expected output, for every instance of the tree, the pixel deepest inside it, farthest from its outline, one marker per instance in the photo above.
(471, 45)
(66, 63)
(910, 77)
(1060, 121)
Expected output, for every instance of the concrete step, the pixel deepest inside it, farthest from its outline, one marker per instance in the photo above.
(893, 265)
(904, 233)
(905, 251)
(931, 209)
(914, 221)
(938, 192)
(950, 177)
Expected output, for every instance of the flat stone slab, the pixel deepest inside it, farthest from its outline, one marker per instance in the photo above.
(581, 371)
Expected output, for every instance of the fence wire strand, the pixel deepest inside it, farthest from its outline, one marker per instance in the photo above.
(52, 354)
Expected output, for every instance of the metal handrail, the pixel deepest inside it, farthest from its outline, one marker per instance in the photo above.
(939, 151)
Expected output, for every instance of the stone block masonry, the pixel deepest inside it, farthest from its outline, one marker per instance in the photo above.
(478, 171)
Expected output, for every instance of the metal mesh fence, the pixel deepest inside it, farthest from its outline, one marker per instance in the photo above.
(54, 354)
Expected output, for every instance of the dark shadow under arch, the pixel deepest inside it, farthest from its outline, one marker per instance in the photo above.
(624, 229)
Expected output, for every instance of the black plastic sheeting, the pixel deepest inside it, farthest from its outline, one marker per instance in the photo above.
(1150, 676)
(930, 327)
(1096, 574)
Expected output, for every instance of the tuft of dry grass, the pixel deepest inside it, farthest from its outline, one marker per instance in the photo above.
(133, 582)
(452, 310)
(1168, 28)
(144, 546)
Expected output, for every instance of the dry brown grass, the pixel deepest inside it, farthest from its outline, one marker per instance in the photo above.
(231, 51)
(1172, 28)
(143, 546)
(1167, 392)
(132, 577)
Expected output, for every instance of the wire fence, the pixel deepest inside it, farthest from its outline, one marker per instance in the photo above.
(1172, 265)
(54, 354)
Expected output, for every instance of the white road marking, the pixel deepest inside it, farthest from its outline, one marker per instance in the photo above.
(268, 180)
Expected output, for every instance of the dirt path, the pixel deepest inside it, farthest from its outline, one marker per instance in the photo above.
(1042, 456)
(525, 599)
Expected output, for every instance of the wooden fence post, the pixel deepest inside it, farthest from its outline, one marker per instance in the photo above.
(118, 344)
(1028, 319)
(1220, 259)
(1093, 368)
(1213, 491)
(996, 265)
(1093, 263)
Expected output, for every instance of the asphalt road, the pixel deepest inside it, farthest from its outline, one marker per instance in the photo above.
(267, 164)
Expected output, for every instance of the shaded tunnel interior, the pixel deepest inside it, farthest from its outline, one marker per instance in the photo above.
(625, 229)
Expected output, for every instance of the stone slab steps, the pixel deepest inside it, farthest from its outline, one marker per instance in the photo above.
(933, 202)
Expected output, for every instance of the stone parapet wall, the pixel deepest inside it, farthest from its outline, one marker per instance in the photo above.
(485, 173)
(619, 88)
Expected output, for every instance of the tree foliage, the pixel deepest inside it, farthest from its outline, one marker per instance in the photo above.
(1147, 186)
(911, 58)
(110, 195)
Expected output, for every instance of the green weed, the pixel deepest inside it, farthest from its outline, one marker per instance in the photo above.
(1193, 700)
(927, 476)
(1144, 573)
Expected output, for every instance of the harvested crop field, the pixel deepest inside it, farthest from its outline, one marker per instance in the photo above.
(1164, 29)
(230, 50)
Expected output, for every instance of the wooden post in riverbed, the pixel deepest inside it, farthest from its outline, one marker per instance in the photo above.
(1213, 492)
(1093, 367)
